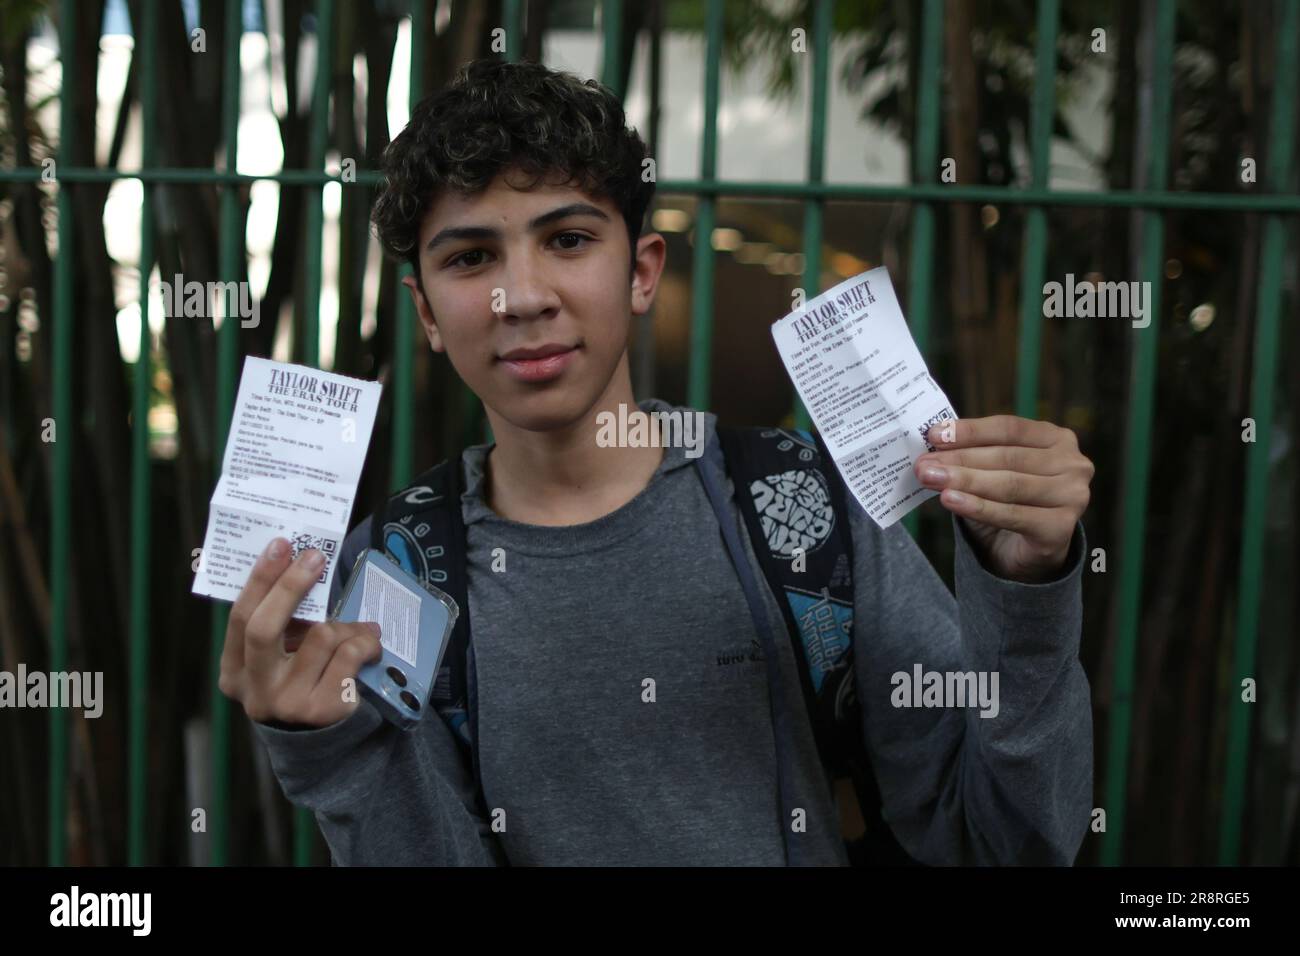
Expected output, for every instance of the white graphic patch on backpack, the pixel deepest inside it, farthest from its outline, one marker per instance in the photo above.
(795, 509)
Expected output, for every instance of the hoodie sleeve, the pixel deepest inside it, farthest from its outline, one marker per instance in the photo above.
(1011, 787)
(381, 795)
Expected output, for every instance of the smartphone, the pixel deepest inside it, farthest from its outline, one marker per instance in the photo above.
(415, 620)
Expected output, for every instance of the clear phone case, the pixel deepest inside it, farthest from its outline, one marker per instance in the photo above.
(416, 621)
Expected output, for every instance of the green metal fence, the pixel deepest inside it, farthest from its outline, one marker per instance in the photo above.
(925, 193)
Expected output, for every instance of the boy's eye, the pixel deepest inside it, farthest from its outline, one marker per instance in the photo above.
(460, 260)
(572, 235)
(469, 265)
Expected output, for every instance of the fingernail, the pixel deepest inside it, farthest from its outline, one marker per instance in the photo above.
(956, 498)
(315, 561)
(275, 548)
(379, 632)
(934, 473)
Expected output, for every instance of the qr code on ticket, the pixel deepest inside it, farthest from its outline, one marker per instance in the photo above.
(305, 542)
(934, 420)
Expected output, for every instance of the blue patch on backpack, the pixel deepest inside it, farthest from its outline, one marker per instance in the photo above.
(826, 629)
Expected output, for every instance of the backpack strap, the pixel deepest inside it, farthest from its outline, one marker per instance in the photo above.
(423, 529)
(780, 711)
(806, 555)
(793, 503)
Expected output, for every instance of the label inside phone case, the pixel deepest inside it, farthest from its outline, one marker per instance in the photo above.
(397, 610)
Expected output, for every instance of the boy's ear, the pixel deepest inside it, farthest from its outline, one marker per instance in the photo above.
(651, 252)
(425, 313)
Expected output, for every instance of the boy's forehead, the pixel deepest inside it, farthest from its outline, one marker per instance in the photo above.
(506, 200)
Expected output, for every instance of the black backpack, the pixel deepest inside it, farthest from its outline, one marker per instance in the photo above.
(792, 499)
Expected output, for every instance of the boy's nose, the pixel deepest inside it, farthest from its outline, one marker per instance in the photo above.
(526, 293)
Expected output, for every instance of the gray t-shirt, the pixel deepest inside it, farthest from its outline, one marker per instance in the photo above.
(581, 764)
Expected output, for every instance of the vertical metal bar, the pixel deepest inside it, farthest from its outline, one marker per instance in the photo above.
(304, 825)
(1137, 459)
(611, 28)
(925, 157)
(232, 243)
(513, 12)
(701, 359)
(404, 314)
(319, 136)
(643, 372)
(1281, 151)
(812, 208)
(146, 54)
(64, 421)
(1035, 253)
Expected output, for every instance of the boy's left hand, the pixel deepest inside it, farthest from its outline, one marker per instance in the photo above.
(1019, 485)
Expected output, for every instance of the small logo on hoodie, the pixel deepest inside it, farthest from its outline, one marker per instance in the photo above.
(731, 656)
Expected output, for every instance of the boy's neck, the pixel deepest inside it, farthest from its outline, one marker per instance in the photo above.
(562, 477)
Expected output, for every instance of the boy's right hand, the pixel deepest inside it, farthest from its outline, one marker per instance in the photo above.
(289, 671)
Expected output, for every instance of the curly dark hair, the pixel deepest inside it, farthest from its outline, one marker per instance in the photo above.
(496, 116)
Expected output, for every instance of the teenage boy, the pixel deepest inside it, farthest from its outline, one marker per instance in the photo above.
(518, 196)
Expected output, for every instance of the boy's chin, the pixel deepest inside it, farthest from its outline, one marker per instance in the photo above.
(546, 410)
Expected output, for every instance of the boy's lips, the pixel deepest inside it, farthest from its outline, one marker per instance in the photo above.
(538, 364)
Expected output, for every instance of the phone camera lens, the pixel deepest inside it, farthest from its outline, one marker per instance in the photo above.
(409, 700)
(398, 677)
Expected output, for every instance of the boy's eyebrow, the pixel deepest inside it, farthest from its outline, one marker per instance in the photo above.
(489, 232)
